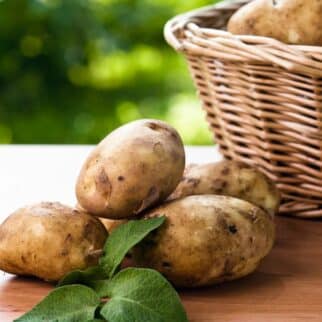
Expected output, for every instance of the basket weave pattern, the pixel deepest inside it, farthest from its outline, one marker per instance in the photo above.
(263, 101)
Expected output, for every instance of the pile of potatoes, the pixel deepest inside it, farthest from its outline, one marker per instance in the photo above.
(295, 22)
(219, 216)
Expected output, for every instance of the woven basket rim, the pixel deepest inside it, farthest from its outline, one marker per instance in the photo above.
(185, 34)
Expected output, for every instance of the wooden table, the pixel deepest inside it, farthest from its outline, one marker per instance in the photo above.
(287, 287)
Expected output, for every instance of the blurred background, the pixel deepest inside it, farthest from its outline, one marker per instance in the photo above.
(73, 70)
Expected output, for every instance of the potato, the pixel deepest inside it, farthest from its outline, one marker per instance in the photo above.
(133, 168)
(48, 240)
(206, 239)
(290, 21)
(111, 224)
(229, 178)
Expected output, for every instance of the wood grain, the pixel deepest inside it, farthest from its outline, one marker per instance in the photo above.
(286, 288)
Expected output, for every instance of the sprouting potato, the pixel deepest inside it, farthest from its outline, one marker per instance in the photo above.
(48, 240)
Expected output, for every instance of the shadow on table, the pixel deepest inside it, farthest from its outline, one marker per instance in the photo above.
(246, 287)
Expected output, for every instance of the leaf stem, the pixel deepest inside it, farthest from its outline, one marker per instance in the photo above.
(94, 255)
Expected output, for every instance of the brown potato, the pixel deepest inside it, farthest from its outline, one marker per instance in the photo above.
(229, 178)
(48, 240)
(133, 168)
(206, 239)
(111, 224)
(290, 21)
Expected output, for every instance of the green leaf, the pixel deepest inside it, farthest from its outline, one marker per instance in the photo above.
(72, 303)
(123, 238)
(100, 287)
(116, 247)
(142, 295)
(85, 277)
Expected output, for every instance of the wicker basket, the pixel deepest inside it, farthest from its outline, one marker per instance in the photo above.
(263, 101)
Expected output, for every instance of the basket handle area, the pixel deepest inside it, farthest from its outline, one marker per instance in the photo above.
(200, 32)
(174, 27)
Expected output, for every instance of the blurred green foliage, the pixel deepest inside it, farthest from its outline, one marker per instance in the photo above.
(73, 70)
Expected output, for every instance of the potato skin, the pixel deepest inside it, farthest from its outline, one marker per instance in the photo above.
(229, 178)
(290, 21)
(133, 168)
(206, 240)
(111, 224)
(48, 240)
